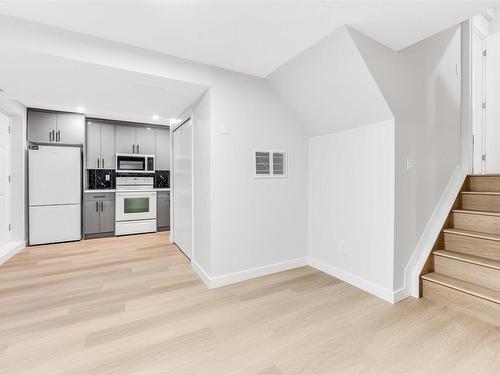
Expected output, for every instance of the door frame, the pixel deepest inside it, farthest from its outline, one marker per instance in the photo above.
(9, 173)
(479, 141)
(190, 118)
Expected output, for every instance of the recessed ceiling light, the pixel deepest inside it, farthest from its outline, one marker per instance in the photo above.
(80, 109)
(156, 117)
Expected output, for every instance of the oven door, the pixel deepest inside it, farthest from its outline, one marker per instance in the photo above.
(135, 205)
(131, 163)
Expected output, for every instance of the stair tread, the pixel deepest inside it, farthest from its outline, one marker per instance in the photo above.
(480, 192)
(474, 259)
(472, 212)
(464, 286)
(471, 233)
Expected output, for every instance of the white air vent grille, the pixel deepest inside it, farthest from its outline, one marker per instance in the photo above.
(270, 164)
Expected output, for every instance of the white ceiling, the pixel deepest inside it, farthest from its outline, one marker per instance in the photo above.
(44, 81)
(254, 37)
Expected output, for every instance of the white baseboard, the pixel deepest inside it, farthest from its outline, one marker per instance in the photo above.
(366, 285)
(10, 249)
(431, 232)
(236, 277)
(201, 273)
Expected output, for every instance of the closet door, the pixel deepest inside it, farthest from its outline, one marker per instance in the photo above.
(182, 188)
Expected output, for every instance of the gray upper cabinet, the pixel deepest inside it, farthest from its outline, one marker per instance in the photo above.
(51, 127)
(135, 140)
(162, 149)
(93, 145)
(70, 128)
(145, 141)
(100, 146)
(125, 139)
(41, 126)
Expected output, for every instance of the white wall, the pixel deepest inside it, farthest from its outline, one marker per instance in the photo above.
(329, 86)
(492, 106)
(422, 85)
(256, 222)
(351, 205)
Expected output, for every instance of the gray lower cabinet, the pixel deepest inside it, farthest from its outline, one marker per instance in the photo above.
(99, 214)
(162, 149)
(56, 127)
(163, 210)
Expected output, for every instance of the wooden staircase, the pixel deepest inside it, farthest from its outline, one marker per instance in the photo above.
(463, 270)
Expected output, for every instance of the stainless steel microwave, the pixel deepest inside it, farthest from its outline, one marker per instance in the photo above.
(135, 163)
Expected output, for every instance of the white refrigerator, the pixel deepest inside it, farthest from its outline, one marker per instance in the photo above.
(55, 185)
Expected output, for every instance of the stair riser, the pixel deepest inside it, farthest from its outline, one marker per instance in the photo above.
(475, 202)
(463, 302)
(472, 245)
(484, 183)
(484, 276)
(477, 223)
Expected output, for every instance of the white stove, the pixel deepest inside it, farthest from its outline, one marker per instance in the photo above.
(135, 205)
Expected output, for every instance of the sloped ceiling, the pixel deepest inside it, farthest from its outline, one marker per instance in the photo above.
(329, 87)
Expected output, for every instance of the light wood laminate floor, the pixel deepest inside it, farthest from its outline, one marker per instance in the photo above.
(133, 305)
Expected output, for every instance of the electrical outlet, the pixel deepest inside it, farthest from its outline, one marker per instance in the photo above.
(342, 248)
(108, 177)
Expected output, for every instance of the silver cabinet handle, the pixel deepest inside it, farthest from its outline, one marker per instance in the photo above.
(138, 149)
(102, 206)
(96, 206)
(50, 136)
(133, 149)
(97, 163)
(102, 162)
(58, 136)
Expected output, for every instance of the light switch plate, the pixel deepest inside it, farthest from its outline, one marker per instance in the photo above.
(224, 128)
(410, 164)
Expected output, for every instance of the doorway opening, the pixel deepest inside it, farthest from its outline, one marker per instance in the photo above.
(5, 173)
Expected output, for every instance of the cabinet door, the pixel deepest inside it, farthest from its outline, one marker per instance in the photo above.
(162, 149)
(70, 129)
(163, 209)
(93, 145)
(145, 140)
(91, 217)
(40, 126)
(107, 216)
(125, 139)
(108, 146)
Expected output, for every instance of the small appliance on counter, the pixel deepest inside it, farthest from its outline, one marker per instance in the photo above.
(101, 179)
(135, 205)
(162, 179)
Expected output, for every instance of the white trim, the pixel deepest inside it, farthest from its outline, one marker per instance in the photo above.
(10, 249)
(431, 233)
(236, 277)
(201, 273)
(366, 285)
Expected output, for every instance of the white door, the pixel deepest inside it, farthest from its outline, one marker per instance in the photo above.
(5, 211)
(492, 105)
(478, 98)
(183, 188)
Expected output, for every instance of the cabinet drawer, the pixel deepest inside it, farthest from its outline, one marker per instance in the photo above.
(97, 197)
(163, 195)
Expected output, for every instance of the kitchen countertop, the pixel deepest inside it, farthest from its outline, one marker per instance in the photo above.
(100, 191)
